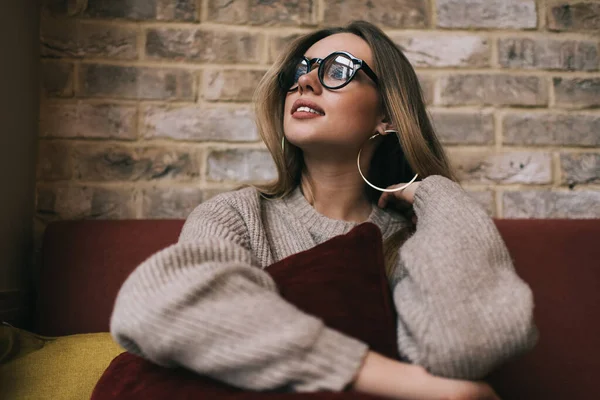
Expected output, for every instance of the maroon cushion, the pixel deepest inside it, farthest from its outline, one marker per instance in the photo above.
(341, 281)
(84, 264)
(560, 259)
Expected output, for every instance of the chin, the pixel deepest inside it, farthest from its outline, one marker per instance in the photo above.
(302, 133)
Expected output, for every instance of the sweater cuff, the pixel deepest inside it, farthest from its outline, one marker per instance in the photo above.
(437, 192)
(332, 363)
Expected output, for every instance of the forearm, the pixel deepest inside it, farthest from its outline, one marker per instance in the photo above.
(385, 377)
(382, 376)
(462, 308)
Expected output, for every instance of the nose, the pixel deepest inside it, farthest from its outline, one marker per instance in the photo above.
(310, 82)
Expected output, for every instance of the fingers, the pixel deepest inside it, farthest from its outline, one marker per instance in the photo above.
(383, 200)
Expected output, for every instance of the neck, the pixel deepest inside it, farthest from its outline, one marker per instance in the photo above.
(336, 190)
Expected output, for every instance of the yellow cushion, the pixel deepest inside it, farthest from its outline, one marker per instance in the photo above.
(60, 368)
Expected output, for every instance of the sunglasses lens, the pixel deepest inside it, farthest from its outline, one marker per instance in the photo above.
(337, 70)
(300, 69)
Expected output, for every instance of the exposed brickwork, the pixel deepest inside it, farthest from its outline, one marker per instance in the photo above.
(240, 166)
(549, 54)
(548, 204)
(171, 202)
(579, 169)
(146, 104)
(551, 129)
(503, 14)
(114, 81)
(498, 90)
(505, 167)
(574, 16)
(254, 12)
(577, 92)
(203, 46)
(86, 120)
(387, 13)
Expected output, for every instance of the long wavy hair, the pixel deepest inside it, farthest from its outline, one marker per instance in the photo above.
(415, 149)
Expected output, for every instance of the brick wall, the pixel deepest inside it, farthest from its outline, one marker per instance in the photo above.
(145, 103)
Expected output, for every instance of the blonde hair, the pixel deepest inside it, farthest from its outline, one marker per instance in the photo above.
(415, 149)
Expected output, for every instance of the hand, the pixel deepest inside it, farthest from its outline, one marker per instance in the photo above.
(389, 378)
(402, 200)
(453, 389)
(406, 195)
(426, 386)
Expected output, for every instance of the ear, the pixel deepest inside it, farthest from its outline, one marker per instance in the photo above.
(383, 125)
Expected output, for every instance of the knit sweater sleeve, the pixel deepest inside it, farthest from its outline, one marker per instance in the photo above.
(462, 309)
(204, 304)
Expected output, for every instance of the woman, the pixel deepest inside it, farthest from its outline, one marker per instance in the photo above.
(206, 303)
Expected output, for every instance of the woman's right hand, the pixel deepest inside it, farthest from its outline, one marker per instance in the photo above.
(385, 377)
(453, 389)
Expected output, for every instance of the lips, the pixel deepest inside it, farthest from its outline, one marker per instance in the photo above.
(308, 106)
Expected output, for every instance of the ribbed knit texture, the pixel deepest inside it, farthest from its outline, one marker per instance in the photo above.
(206, 303)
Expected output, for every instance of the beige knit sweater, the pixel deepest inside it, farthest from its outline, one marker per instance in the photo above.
(206, 303)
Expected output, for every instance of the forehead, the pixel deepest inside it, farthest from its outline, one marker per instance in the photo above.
(341, 42)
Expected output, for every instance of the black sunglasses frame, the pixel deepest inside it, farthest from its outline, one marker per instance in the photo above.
(358, 65)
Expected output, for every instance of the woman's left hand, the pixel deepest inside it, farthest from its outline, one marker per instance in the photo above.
(399, 197)
(402, 200)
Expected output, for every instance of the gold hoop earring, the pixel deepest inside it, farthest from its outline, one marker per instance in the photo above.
(283, 144)
(376, 187)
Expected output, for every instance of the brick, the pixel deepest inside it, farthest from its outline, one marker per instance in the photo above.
(57, 79)
(548, 54)
(546, 204)
(93, 121)
(463, 127)
(200, 124)
(502, 168)
(577, 92)
(574, 16)
(171, 202)
(579, 169)
(203, 46)
(485, 200)
(279, 43)
(210, 193)
(427, 83)
(162, 10)
(63, 7)
(233, 85)
(445, 50)
(551, 129)
(123, 163)
(241, 166)
(505, 14)
(256, 12)
(387, 13)
(180, 10)
(53, 161)
(74, 39)
(84, 202)
(136, 82)
(479, 89)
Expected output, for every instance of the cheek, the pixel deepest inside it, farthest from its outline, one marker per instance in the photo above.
(358, 111)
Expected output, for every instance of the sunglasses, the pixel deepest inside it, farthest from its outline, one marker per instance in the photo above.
(335, 71)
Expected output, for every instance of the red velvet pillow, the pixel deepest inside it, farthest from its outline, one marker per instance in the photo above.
(341, 281)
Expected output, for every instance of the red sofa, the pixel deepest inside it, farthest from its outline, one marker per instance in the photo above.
(85, 262)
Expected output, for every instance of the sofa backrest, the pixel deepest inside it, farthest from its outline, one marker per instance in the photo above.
(85, 263)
